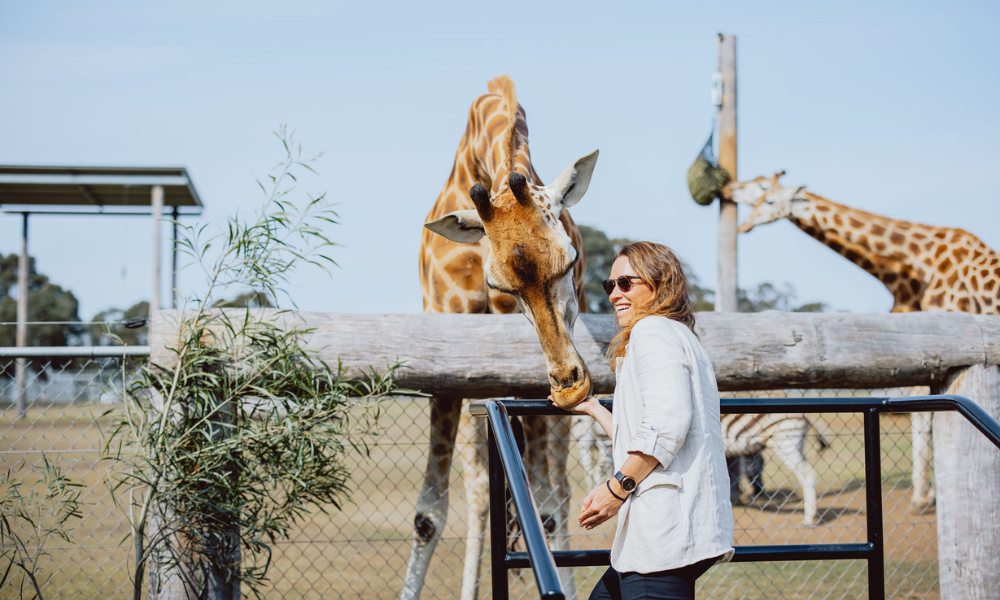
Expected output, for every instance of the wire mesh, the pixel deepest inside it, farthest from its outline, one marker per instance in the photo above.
(362, 550)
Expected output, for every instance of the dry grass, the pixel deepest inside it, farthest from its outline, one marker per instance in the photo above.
(361, 552)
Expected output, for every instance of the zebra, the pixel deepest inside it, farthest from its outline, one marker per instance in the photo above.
(746, 435)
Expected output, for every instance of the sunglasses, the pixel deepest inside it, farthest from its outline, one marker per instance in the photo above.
(624, 283)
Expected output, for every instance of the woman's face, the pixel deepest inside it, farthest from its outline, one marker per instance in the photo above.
(626, 303)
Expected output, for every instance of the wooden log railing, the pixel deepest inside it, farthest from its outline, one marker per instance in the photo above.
(480, 356)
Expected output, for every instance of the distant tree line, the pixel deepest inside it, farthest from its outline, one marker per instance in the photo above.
(600, 253)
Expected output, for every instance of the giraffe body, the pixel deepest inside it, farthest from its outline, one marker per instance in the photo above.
(924, 268)
(498, 241)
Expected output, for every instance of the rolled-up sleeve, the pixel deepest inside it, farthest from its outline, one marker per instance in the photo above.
(664, 374)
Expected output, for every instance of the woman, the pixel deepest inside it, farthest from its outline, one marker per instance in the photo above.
(671, 487)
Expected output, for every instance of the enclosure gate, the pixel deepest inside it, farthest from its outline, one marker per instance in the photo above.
(505, 465)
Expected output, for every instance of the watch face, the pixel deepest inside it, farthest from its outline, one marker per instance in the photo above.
(628, 483)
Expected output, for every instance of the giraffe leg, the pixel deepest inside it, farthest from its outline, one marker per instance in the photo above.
(920, 431)
(789, 446)
(473, 453)
(595, 450)
(583, 433)
(605, 462)
(432, 503)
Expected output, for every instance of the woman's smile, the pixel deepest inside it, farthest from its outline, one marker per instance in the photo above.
(638, 294)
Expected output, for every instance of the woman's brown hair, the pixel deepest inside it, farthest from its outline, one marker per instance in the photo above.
(661, 270)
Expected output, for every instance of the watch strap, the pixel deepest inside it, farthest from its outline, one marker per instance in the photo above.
(608, 483)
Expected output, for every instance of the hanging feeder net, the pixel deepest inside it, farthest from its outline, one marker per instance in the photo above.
(705, 177)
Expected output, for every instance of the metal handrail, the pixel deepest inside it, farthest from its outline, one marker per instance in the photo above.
(543, 561)
(73, 351)
(503, 447)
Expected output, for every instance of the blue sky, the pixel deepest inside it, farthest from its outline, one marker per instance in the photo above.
(888, 107)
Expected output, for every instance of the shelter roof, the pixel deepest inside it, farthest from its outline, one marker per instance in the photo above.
(95, 190)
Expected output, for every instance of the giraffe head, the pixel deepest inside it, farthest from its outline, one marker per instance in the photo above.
(770, 200)
(530, 256)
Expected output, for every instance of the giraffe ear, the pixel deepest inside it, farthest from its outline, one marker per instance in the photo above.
(572, 184)
(463, 226)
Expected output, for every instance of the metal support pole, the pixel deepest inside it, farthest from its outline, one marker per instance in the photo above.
(726, 286)
(173, 262)
(21, 333)
(157, 209)
(498, 520)
(873, 505)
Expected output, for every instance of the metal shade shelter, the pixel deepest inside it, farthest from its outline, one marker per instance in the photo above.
(108, 191)
(95, 190)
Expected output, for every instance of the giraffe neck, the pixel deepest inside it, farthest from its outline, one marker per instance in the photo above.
(850, 232)
(495, 144)
(885, 248)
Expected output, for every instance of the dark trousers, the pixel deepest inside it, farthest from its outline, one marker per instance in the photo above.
(673, 584)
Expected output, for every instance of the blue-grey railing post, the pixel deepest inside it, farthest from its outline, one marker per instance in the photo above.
(498, 520)
(873, 505)
(508, 461)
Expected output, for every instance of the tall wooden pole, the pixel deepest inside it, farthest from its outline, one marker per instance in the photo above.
(157, 209)
(725, 289)
(21, 333)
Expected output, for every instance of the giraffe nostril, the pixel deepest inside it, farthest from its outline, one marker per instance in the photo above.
(566, 379)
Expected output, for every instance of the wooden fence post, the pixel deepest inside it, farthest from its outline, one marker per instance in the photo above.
(967, 480)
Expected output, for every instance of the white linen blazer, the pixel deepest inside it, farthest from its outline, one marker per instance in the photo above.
(666, 405)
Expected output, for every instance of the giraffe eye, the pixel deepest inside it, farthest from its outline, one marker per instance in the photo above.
(493, 285)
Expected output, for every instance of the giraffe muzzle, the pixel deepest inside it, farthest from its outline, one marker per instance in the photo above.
(568, 396)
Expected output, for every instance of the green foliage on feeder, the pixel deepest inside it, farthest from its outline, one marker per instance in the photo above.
(705, 177)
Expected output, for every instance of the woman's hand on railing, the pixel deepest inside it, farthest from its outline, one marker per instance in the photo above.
(588, 407)
(599, 506)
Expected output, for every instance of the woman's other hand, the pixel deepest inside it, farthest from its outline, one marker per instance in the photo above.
(598, 507)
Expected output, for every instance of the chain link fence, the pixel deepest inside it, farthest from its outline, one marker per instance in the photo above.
(362, 550)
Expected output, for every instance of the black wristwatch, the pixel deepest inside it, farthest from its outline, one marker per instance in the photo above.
(627, 482)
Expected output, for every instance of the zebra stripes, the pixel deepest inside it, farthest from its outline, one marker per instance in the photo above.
(747, 434)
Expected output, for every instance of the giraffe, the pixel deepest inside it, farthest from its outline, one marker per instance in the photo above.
(499, 241)
(924, 267)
